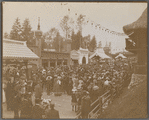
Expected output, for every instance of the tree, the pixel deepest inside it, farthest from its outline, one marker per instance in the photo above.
(80, 22)
(50, 35)
(109, 44)
(100, 44)
(27, 34)
(93, 44)
(65, 25)
(73, 43)
(15, 33)
(86, 40)
(6, 35)
(58, 42)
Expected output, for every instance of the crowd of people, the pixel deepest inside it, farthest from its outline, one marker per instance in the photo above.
(84, 83)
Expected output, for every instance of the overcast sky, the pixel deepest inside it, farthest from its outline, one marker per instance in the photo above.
(110, 15)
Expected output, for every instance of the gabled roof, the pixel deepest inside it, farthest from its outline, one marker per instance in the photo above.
(100, 52)
(120, 56)
(13, 49)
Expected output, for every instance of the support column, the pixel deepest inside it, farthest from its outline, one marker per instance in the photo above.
(62, 62)
(26, 64)
(49, 63)
(56, 63)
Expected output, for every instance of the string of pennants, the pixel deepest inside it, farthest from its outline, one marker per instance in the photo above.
(133, 43)
(97, 25)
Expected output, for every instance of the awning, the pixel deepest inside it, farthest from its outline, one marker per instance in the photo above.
(13, 49)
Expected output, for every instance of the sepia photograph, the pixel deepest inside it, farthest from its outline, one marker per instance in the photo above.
(74, 60)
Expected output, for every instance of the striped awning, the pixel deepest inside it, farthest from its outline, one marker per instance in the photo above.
(13, 49)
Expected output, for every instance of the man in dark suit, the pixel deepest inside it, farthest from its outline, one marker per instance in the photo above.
(85, 105)
(26, 107)
(37, 110)
(38, 91)
(52, 113)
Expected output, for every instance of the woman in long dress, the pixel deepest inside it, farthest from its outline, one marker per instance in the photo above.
(57, 89)
(4, 96)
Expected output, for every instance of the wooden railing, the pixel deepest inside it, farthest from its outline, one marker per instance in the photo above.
(102, 102)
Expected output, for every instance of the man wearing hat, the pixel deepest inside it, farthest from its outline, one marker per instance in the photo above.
(26, 107)
(38, 90)
(43, 78)
(37, 111)
(49, 83)
(85, 105)
(52, 113)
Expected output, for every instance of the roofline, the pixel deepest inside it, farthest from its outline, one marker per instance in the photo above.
(15, 41)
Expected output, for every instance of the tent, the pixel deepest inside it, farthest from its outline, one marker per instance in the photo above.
(100, 53)
(120, 56)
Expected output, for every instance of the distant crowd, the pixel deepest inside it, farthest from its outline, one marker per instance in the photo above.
(84, 83)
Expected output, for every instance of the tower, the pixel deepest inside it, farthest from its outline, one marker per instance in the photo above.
(38, 36)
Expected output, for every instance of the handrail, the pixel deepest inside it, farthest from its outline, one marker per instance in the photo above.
(102, 103)
(78, 115)
(94, 102)
(104, 94)
(95, 108)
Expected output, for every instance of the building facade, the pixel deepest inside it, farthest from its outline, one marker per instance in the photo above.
(48, 58)
(80, 56)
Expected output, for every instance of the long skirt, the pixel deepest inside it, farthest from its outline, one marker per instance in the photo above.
(4, 96)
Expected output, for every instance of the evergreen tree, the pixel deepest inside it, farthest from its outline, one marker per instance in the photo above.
(15, 33)
(86, 41)
(27, 34)
(73, 38)
(58, 42)
(6, 35)
(100, 44)
(93, 44)
(109, 44)
(76, 40)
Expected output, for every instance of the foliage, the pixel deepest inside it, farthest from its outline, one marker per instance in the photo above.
(100, 44)
(6, 35)
(86, 41)
(15, 33)
(58, 42)
(27, 34)
(50, 35)
(80, 22)
(76, 40)
(65, 24)
(92, 44)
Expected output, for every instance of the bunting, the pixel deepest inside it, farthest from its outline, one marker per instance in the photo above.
(97, 25)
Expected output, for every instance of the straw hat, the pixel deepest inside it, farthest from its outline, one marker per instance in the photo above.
(74, 89)
(95, 88)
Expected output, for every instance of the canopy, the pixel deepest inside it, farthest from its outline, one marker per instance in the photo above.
(120, 56)
(13, 49)
(100, 52)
